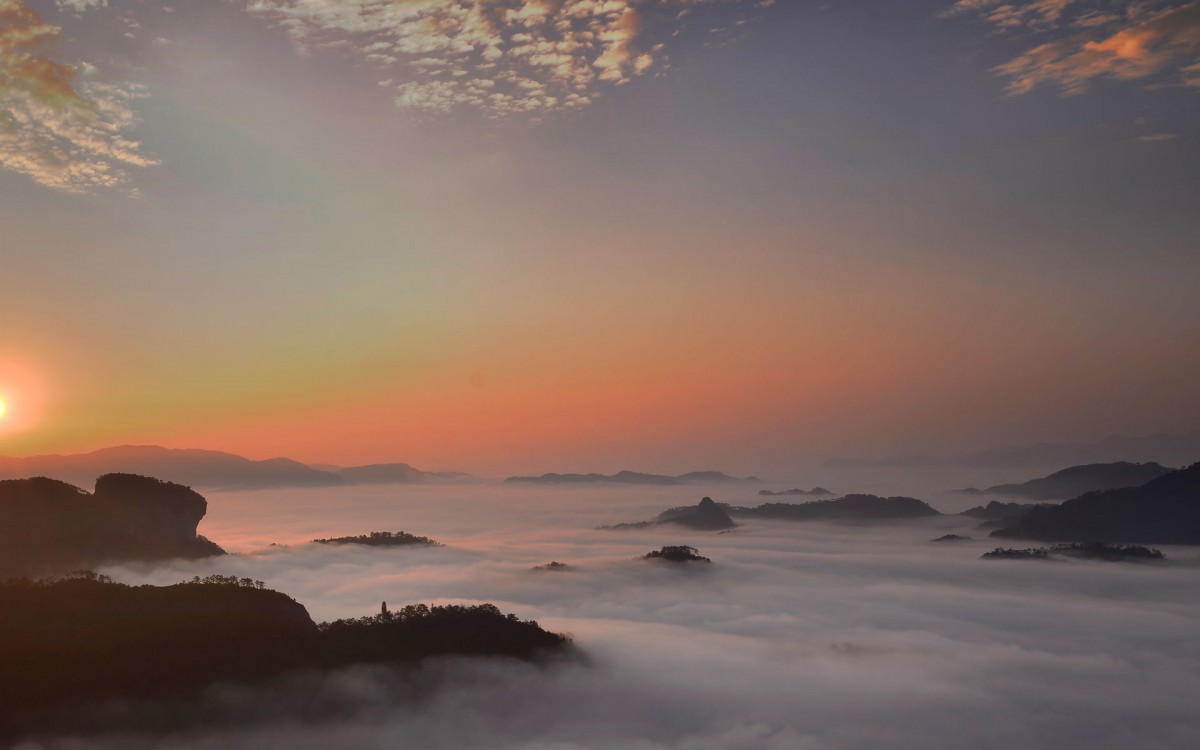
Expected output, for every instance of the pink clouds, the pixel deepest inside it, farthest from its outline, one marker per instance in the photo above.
(1126, 41)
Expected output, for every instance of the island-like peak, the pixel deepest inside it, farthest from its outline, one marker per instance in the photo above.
(50, 526)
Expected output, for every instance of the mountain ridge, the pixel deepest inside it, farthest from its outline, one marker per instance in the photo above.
(208, 469)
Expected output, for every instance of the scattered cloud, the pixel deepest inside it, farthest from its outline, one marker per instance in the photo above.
(57, 125)
(499, 56)
(1007, 15)
(80, 6)
(1124, 40)
(1157, 137)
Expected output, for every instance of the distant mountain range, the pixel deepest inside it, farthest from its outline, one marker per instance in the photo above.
(814, 492)
(1172, 450)
(848, 508)
(208, 469)
(1165, 510)
(634, 477)
(1077, 480)
(713, 516)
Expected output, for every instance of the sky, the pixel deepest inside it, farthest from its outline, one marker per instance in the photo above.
(517, 236)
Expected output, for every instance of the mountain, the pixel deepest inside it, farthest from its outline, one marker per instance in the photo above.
(1172, 450)
(213, 470)
(192, 467)
(998, 515)
(394, 473)
(48, 525)
(1077, 480)
(848, 508)
(1165, 510)
(814, 492)
(708, 515)
(71, 644)
(634, 477)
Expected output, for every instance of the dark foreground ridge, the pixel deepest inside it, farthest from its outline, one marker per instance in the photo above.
(1095, 551)
(50, 526)
(633, 477)
(1163, 511)
(382, 539)
(678, 554)
(848, 508)
(72, 643)
(1077, 480)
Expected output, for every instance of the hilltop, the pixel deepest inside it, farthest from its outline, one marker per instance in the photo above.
(47, 525)
(848, 508)
(1077, 480)
(707, 515)
(1165, 510)
(83, 641)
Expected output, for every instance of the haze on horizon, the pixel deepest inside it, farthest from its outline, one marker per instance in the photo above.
(519, 236)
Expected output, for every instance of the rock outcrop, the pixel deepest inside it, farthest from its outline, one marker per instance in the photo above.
(47, 525)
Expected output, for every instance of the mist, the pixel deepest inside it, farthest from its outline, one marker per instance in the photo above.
(798, 635)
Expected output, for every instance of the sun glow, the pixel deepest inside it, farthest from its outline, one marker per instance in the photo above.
(3, 409)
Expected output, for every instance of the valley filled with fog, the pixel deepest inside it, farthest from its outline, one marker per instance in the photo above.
(798, 635)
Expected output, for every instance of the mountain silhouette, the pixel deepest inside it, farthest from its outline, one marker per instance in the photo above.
(707, 515)
(47, 525)
(633, 477)
(848, 508)
(996, 515)
(213, 470)
(82, 640)
(1172, 450)
(394, 473)
(1165, 510)
(1077, 480)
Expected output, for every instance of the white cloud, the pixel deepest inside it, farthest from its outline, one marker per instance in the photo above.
(57, 126)
(571, 48)
(797, 636)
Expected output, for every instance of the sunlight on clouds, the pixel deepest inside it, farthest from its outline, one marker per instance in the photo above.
(1123, 41)
(500, 56)
(62, 134)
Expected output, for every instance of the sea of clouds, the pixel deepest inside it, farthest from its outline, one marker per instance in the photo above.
(797, 636)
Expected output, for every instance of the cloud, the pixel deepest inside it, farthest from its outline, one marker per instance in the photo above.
(57, 126)
(499, 56)
(79, 6)
(1126, 41)
(798, 636)
(1032, 13)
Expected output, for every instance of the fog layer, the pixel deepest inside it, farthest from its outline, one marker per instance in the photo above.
(798, 635)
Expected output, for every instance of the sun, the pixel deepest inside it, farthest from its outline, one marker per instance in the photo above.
(3, 409)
